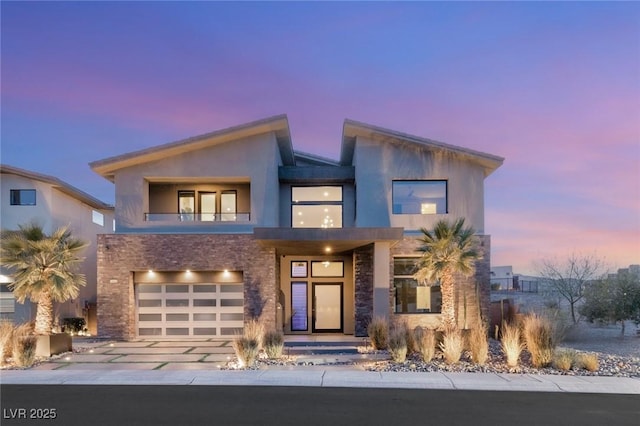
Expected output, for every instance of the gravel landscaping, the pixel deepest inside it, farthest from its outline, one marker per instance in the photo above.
(609, 365)
(618, 356)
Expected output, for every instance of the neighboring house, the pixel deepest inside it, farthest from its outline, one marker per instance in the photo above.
(503, 279)
(220, 228)
(33, 197)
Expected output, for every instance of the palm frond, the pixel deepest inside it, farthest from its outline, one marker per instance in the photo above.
(42, 264)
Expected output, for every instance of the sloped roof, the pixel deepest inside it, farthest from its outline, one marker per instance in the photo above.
(278, 124)
(60, 185)
(315, 159)
(353, 129)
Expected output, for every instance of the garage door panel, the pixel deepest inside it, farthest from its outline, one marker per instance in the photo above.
(183, 310)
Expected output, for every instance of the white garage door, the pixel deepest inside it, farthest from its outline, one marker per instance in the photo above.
(189, 310)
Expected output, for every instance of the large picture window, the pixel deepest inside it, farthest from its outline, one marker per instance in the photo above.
(22, 197)
(316, 207)
(410, 297)
(419, 197)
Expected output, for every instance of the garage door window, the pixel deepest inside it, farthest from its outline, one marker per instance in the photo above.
(173, 310)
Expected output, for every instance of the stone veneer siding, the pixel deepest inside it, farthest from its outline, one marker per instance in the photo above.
(408, 247)
(363, 288)
(119, 255)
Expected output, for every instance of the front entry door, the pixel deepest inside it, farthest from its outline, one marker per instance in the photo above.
(327, 307)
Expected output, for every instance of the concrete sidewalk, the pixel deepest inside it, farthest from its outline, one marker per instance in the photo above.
(328, 376)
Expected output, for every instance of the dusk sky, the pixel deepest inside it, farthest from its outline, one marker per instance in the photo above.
(552, 87)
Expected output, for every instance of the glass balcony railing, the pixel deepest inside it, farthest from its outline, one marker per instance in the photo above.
(197, 217)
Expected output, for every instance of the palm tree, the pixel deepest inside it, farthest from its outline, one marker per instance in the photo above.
(447, 250)
(43, 268)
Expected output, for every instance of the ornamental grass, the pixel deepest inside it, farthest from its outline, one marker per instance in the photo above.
(398, 344)
(479, 344)
(538, 333)
(273, 344)
(246, 349)
(425, 342)
(588, 361)
(6, 340)
(24, 345)
(511, 344)
(378, 331)
(452, 345)
(564, 360)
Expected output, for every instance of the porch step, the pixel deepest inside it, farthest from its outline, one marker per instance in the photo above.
(320, 350)
(329, 347)
(354, 343)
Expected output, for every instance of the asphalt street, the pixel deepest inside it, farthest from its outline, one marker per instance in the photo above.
(273, 405)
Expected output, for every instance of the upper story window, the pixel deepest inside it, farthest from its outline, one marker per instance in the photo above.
(419, 197)
(97, 218)
(316, 207)
(23, 197)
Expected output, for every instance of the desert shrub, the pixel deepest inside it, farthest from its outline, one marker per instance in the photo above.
(452, 345)
(273, 344)
(560, 323)
(247, 344)
(397, 344)
(73, 325)
(563, 360)
(254, 330)
(246, 349)
(6, 340)
(24, 345)
(378, 331)
(403, 327)
(479, 344)
(539, 339)
(588, 362)
(425, 342)
(511, 344)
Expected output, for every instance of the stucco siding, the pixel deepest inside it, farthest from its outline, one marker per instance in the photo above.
(54, 209)
(379, 164)
(254, 160)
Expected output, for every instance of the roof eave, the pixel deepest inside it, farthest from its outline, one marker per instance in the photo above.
(352, 129)
(277, 124)
(60, 185)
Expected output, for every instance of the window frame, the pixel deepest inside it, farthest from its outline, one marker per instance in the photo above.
(417, 181)
(12, 198)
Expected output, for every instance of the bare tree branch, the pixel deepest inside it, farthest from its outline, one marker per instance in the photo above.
(568, 277)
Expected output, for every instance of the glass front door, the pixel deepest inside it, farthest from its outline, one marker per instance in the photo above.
(327, 307)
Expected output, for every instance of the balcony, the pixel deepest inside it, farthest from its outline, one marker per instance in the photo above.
(198, 217)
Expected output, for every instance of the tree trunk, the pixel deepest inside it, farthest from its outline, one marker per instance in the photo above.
(44, 313)
(622, 330)
(447, 289)
(573, 312)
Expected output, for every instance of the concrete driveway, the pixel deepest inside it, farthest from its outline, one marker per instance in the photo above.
(144, 355)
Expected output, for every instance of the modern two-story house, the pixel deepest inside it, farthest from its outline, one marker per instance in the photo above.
(217, 229)
(29, 196)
